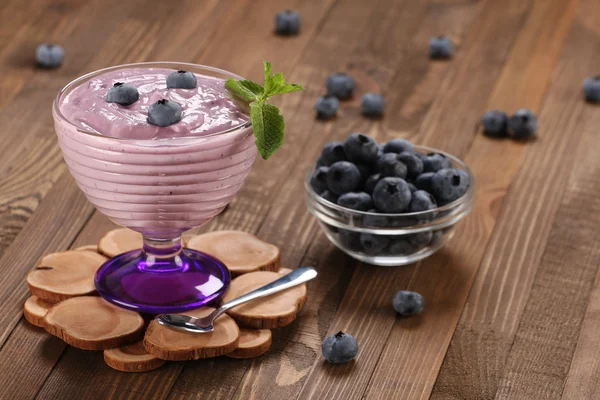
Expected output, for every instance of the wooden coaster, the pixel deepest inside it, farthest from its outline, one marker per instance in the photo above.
(92, 323)
(35, 309)
(285, 271)
(119, 241)
(61, 276)
(241, 252)
(275, 311)
(88, 247)
(169, 344)
(132, 358)
(252, 343)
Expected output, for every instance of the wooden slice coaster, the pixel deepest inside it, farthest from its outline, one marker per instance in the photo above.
(252, 343)
(132, 358)
(35, 309)
(119, 241)
(169, 344)
(61, 276)
(92, 323)
(285, 271)
(88, 247)
(241, 252)
(275, 311)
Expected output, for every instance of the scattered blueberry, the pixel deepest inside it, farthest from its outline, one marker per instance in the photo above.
(433, 162)
(332, 153)
(423, 181)
(407, 303)
(400, 246)
(523, 124)
(391, 195)
(318, 180)
(343, 177)
(361, 148)
(327, 107)
(181, 80)
(422, 201)
(591, 89)
(340, 85)
(372, 104)
(440, 47)
(449, 184)
(412, 187)
(414, 165)
(373, 244)
(164, 113)
(123, 94)
(287, 22)
(327, 195)
(339, 348)
(360, 201)
(390, 166)
(398, 146)
(49, 55)
(371, 182)
(495, 123)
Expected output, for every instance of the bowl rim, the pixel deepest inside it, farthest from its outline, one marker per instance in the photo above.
(468, 196)
(197, 68)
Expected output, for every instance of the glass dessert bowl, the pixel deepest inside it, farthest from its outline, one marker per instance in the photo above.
(159, 187)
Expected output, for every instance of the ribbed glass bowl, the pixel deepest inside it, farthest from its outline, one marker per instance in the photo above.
(390, 239)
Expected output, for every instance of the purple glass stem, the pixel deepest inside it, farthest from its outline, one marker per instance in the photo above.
(162, 277)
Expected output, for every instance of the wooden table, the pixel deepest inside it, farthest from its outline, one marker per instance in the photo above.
(512, 303)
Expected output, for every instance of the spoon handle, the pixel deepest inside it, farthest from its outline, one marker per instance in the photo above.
(294, 278)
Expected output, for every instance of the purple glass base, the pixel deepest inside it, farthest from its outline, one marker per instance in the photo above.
(147, 284)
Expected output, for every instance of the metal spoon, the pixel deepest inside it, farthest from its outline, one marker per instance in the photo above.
(205, 324)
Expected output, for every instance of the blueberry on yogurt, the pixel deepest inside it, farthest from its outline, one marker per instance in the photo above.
(164, 113)
(181, 80)
(123, 94)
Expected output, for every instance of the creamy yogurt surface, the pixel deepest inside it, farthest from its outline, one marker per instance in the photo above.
(206, 109)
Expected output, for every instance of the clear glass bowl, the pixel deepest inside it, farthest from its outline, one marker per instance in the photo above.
(390, 239)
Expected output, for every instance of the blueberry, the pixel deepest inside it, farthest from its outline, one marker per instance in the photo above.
(339, 348)
(440, 47)
(343, 177)
(422, 201)
(365, 172)
(332, 153)
(123, 94)
(523, 124)
(360, 201)
(318, 180)
(371, 182)
(327, 195)
(181, 80)
(361, 148)
(287, 22)
(164, 113)
(449, 184)
(412, 187)
(350, 239)
(340, 85)
(414, 165)
(398, 146)
(390, 166)
(407, 303)
(591, 89)
(49, 55)
(373, 244)
(375, 220)
(327, 107)
(423, 181)
(372, 104)
(420, 239)
(400, 246)
(433, 162)
(495, 123)
(391, 195)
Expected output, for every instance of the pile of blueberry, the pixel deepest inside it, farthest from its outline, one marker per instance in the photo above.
(359, 174)
(340, 86)
(522, 125)
(162, 113)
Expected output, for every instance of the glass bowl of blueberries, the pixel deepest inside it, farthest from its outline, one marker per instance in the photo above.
(390, 204)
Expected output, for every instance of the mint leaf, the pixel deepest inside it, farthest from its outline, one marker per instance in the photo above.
(275, 83)
(240, 90)
(268, 72)
(288, 88)
(254, 87)
(268, 126)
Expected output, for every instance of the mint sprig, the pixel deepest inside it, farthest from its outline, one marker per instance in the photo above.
(267, 122)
